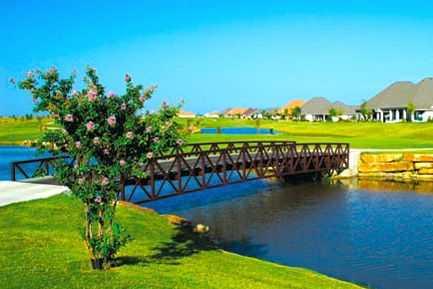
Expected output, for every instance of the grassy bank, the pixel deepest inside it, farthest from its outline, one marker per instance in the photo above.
(359, 135)
(41, 248)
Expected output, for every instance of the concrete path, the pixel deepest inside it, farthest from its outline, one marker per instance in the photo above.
(13, 192)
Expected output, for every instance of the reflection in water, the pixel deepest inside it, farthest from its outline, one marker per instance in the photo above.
(354, 231)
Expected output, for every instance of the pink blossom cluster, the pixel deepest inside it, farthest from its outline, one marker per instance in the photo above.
(111, 121)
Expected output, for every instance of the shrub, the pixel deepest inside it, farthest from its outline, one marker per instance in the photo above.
(109, 142)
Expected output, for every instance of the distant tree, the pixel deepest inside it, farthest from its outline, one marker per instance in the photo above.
(286, 113)
(410, 110)
(365, 111)
(296, 112)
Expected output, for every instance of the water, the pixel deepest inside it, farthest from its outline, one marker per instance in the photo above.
(238, 130)
(381, 238)
(9, 154)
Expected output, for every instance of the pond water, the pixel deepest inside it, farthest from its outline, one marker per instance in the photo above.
(238, 130)
(382, 238)
(9, 154)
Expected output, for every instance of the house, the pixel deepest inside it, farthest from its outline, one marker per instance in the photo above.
(319, 109)
(288, 107)
(392, 104)
(236, 112)
(213, 114)
(185, 114)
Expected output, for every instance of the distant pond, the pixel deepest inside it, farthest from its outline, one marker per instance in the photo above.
(380, 237)
(238, 130)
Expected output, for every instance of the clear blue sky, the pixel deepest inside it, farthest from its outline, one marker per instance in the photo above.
(217, 54)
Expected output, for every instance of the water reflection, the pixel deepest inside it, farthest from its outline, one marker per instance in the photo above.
(373, 233)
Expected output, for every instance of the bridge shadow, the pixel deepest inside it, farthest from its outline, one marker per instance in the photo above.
(184, 243)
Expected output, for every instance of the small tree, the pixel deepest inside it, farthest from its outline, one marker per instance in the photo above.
(410, 110)
(365, 111)
(109, 142)
(296, 112)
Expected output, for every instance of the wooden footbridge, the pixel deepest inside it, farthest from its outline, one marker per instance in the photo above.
(200, 166)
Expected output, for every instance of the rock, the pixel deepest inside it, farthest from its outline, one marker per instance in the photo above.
(381, 158)
(426, 171)
(400, 166)
(423, 158)
(200, 228)
(427, 178)
(424, 165)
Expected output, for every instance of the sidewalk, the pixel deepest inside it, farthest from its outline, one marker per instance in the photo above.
(13, 192)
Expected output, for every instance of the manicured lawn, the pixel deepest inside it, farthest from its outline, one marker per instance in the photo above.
(41, 248)
(359, 135)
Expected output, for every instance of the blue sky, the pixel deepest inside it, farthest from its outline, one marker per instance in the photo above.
(218, 54)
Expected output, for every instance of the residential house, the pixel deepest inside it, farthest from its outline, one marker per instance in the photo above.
(185, 114)
(287, 108)
(391, 104)
(237, 112)
(319, 108)
(213, 114)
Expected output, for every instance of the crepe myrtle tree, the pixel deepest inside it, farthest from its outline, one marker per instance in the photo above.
(109, 141)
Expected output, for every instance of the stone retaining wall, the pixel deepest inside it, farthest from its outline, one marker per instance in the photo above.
(396, 166)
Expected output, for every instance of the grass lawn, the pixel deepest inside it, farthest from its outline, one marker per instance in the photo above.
(41, 248)
(359, 135)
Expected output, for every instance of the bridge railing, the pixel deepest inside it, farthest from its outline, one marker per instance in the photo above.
(199, 166)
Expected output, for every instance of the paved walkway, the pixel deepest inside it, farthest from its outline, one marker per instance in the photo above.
(13, 192)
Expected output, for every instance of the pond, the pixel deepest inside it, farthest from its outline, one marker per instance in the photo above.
(380, 238)
(9, 154)
(238, 130)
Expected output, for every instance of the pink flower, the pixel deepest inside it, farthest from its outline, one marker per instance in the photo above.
(69, 118)
(96, 141)
(123, 106)
(106, 151)
(127, 77)
(179, 142)
(111, 121)
(155, 139)
(122, 162)
(142, 98)
(81, 181)
(78, 144)
(92, 95)
(90, 126)
(130, 135)
(98, 200)
(149, 155)
(148, 129)
(111, 94)
(105, 181)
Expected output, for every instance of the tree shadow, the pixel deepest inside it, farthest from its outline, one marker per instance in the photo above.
(184, 243)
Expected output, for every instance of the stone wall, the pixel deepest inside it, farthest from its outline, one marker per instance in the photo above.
(396, 166)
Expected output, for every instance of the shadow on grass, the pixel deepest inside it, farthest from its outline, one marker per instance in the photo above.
(184, 243)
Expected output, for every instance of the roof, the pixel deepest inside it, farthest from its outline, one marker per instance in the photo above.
(292, 104)
(344, 108)
(316, 105)
(185, 113)
(398, 94)
(236, 111)
(423, 97)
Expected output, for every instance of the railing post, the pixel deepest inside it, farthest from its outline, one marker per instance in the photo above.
(13, 172)
(122, 187)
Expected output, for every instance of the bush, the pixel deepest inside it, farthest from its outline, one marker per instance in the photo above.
(109, 142)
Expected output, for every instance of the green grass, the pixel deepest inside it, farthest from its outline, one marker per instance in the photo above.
(359, 135)
(41, 248)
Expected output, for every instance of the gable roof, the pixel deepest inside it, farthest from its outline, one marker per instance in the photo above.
(344, 108)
